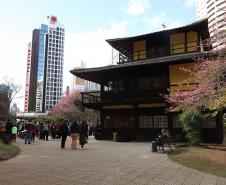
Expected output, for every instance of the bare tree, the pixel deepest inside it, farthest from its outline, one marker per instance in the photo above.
(13, 88)
(8, 92)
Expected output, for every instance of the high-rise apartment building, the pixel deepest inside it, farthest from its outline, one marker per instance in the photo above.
(215, 11)
(45, 87)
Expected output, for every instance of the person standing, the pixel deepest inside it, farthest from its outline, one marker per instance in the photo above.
(46, 131)
(14, 132)
(33, 133)
(29, 129)
(64, 133)
(8, 131)
(41, 130)
(53, 131)
(74, 129)
(83, 131)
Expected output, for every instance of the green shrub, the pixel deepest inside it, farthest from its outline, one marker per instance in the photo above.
(192, 125)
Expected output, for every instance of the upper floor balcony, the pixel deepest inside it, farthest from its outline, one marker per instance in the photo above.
(159, 51)
(96, 98)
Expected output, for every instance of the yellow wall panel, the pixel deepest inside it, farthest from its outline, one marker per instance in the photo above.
(139, 50)
(177, 42)
(79, 81)
(192, 41)
(152, 105)
(177, 76)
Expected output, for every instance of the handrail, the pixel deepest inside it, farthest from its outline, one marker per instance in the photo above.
(159, 51)
(185, 46)
(116, 95)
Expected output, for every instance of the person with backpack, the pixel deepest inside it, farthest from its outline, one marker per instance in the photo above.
(74, 130)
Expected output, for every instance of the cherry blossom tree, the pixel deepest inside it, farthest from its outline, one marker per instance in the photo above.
(66, 107)
(71, 108)
(209, 92)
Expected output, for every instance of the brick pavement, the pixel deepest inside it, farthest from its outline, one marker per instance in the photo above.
(99, 163)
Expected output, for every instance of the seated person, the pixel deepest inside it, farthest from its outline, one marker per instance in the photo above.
(165, 132)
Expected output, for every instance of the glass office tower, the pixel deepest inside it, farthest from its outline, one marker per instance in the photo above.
(40, 96)
(46, 76)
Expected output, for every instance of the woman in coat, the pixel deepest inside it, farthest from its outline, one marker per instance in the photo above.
(83, 131)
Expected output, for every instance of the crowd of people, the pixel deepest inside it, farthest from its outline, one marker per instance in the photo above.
(29, 130)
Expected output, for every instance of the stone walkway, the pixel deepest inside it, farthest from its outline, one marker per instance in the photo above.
(99, 163)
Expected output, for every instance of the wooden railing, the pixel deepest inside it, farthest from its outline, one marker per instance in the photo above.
(184, 47)
(92, 97)
(95, 97)
(159, 51)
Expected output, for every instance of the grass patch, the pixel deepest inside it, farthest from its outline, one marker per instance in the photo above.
(10, 149)
(206, 160)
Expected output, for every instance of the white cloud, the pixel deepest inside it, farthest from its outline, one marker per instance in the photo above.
(90, 47)
(13, 62)
(156, 22)
(174, 24)
(136, 7)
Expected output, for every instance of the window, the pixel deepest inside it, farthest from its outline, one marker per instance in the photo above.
(145, 83)
(108, 122)
(153, 82)
(160, 121)
(130, 120)
(209, 122)
(176, 122)
(146, 121)
(177, 43)
(192, 41)
(139, 50)
(118, 85)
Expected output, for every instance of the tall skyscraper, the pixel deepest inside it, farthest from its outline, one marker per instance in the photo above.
(40, 89)
(54, 65)
(215, 11)
(27, 78)
(45, 87)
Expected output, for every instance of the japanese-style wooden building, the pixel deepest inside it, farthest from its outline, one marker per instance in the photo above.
(130, 92)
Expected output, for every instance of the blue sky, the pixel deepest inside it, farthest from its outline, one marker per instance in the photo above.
(87, 23)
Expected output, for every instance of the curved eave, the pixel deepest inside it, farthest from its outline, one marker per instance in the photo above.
(99, 74)
(201, 26)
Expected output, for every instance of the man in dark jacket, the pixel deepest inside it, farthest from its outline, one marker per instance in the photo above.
(8, 132)
(64, 133)
(74, 129)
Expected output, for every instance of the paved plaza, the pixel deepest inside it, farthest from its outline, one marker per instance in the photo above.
(99, 163)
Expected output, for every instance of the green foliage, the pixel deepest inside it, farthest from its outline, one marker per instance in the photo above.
(11, 150)
(192, 124)
(201, 159)
(50, 118)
